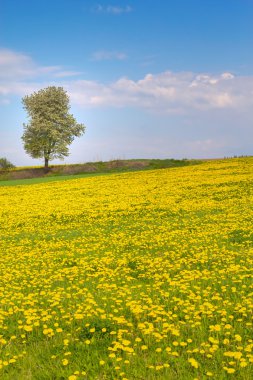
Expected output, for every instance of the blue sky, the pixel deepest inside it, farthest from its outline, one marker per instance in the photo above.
(150, 78)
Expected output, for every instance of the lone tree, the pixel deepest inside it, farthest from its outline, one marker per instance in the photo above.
(51, 128)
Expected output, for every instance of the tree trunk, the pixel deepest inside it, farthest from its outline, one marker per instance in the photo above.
(46, 169)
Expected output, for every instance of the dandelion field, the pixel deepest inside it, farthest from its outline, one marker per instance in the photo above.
(144, 275)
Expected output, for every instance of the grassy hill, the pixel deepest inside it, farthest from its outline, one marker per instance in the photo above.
(37, 174)
(141, 275)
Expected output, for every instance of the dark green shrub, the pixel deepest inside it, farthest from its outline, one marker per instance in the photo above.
(5, 164)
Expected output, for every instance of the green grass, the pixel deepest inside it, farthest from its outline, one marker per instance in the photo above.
(33, 181)
(170, 249)
(32, 175)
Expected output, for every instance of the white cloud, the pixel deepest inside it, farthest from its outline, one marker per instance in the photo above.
(20, 75)
(19, 88)
(18, 66)
(103, 55)
(4, 101)
(113, 9)
(166, 92)
(8, 57)
(64, 74)
(118, 10)
(227, 76)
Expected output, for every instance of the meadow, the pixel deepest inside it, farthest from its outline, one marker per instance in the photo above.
(131, 276)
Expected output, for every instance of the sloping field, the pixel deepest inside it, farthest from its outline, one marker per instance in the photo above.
(144, 275)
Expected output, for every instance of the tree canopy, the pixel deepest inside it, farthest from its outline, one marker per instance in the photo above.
(51, 128)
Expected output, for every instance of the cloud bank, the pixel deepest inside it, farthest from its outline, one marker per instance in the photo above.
(166, 92)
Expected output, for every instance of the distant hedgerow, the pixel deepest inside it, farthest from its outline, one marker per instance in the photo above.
(5, 164)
